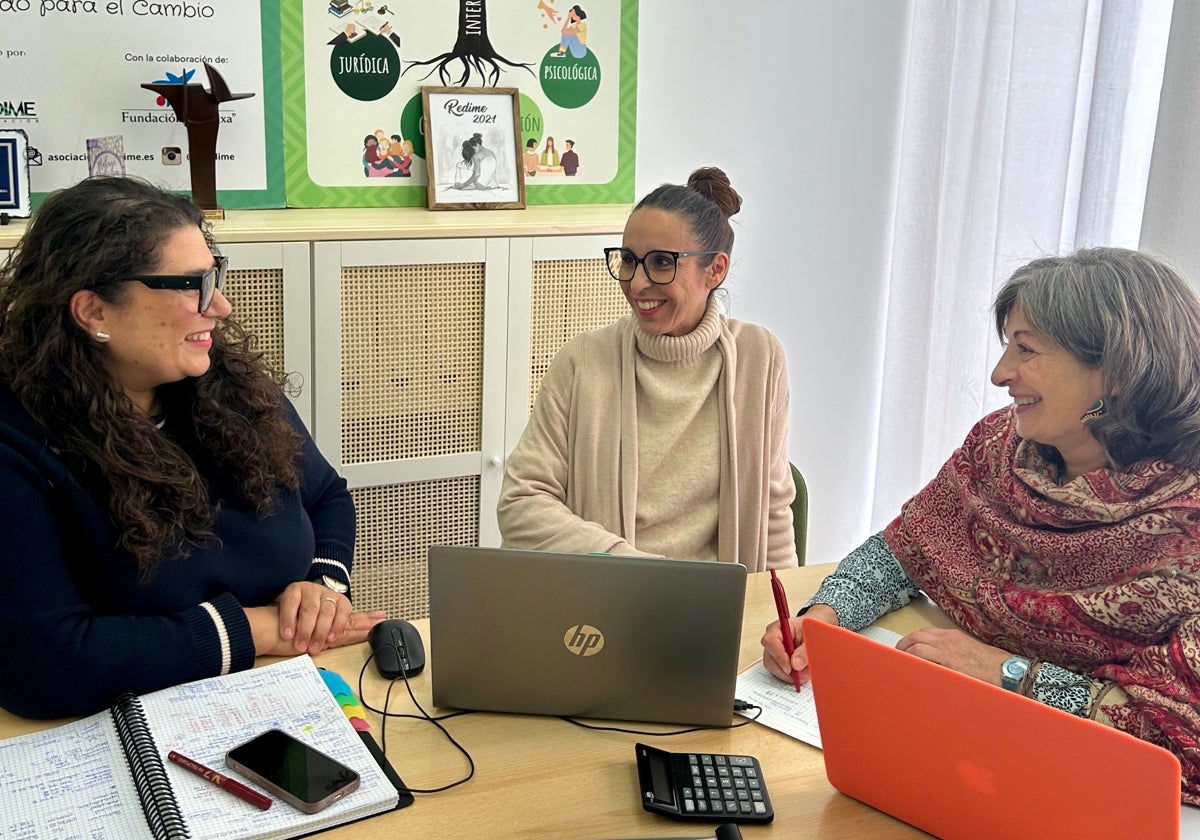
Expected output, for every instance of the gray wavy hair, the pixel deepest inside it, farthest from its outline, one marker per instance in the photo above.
(1136, 319)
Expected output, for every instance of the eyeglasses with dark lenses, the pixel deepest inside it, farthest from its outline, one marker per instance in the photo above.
(208, 282)
(660, 266)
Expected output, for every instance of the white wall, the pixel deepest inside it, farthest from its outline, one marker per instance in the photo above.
(799, 101)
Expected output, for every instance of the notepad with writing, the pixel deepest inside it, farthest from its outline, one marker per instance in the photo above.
(107, 775)
(783, 708)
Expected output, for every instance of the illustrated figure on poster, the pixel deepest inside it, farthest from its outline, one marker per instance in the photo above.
(570, 160)
(373, 165)
(530, 158)
(401, 157)
(199, 110)
(549, 161)
(574, 34)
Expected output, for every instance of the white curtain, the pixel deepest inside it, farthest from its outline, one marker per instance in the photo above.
(1172, 218)
(1027, 130)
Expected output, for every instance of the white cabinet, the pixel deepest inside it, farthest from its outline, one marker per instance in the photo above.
(269, 287)
(426, 357)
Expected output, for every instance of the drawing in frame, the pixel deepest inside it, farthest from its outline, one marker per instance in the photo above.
(14, 175)
(473, 155)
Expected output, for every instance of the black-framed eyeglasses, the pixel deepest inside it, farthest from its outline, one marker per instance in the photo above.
(208, 282)
(660, 266)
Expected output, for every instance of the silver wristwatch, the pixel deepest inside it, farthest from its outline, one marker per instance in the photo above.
(1013, 671)
(336, 585)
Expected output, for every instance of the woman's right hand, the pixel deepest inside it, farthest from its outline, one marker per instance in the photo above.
(264, 627)
(775, 658)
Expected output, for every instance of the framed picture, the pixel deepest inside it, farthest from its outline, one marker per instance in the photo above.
(472, 154)
(14, 174)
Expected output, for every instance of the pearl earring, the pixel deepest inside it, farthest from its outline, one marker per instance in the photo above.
(102, 336)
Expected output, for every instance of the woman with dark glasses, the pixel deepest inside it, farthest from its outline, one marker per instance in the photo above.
(664, 433)
(164, 515)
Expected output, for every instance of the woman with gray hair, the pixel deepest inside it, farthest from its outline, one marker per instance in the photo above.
(1063, 537)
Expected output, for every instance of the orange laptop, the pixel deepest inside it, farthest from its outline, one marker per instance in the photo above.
(961, 758)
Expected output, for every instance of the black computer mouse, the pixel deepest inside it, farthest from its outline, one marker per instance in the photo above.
(398, 649)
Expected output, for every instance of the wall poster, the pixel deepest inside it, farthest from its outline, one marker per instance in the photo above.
(73, 69)
(353, 72)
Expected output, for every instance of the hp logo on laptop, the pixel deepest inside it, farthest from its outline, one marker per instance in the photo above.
(584, 640)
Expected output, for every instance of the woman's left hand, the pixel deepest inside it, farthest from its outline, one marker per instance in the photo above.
(312, 616)
(957, 650)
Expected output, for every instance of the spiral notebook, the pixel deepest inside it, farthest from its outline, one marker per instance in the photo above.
(107, 775)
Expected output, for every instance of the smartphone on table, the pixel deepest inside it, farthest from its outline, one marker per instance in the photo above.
(300, 775)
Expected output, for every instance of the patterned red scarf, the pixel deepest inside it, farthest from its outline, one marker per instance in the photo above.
(1100, 574)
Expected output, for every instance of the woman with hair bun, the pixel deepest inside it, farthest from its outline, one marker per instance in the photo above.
(664, 433)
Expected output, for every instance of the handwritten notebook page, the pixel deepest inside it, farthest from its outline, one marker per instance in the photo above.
(68, 782)
(783, 708)
(72, 781)
(205, 719)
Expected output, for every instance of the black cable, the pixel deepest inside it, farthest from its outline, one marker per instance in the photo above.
(738, 706)
(387, 699)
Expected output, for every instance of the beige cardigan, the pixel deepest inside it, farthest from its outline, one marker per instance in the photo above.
(571, 482)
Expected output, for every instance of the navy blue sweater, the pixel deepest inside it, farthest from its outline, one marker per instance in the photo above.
(79, 626)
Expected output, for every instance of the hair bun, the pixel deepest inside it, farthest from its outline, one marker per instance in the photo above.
(714, 183)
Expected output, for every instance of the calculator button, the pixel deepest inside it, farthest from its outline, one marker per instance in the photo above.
(723, 771)
(756, 795)
(717, 807)
(745, 808)
(701, 806)
(689, 805)
(706, 759)
(740, 784)
(760, 808)
(754, 784)
(743, 760)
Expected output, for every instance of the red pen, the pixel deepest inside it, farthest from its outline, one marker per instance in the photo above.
(222, 781)
(785, 626)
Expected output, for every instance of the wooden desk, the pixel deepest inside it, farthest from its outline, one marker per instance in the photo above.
(538, 777)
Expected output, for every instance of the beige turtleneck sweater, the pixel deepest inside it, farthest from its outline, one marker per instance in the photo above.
(659, 445)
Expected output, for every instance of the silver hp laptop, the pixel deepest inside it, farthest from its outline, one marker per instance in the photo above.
(581, 635)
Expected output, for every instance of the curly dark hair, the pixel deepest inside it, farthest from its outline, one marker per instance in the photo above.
(231, 420)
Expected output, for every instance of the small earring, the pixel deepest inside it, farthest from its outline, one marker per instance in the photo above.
(1096, 411)
(102, 337)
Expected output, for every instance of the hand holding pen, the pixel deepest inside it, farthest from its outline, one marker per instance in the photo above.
(785, 625)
